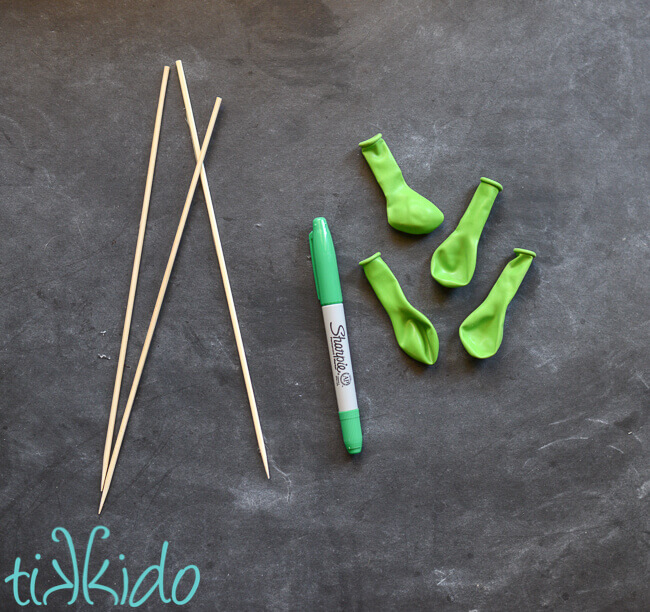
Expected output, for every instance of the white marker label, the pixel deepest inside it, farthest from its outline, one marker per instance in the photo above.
(339, 349)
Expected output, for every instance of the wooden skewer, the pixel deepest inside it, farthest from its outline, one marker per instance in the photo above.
(159, 301)
(224, 271)
(134, 277)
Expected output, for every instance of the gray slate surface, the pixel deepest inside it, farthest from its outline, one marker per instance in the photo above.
(518, 483)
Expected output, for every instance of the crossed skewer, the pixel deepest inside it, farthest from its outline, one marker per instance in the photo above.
(110, 459)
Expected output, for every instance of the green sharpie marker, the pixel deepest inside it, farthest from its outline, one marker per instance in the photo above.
(328, 290)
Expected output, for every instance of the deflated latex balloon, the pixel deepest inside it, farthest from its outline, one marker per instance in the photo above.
(482, 332)
(407, 210)
(454, 261)
(414, 332)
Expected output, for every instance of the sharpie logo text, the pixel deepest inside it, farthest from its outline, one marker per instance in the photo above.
(337, 339)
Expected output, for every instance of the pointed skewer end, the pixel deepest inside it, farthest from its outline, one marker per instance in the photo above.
(266, 465)
(101, 503)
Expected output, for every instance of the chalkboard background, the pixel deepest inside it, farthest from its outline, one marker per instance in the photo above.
(517, 483)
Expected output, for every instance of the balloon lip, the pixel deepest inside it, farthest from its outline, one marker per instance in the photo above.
(370, 141)
(369, 259)
(525, 252)
(499, 186)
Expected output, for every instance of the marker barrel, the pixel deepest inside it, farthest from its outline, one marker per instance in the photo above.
(341, 361)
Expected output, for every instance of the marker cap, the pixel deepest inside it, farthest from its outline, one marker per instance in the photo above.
(323, 260)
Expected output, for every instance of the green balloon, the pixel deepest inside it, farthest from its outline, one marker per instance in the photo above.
(414, 332)
(407, 210)
(482, 331)
(454, 261)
